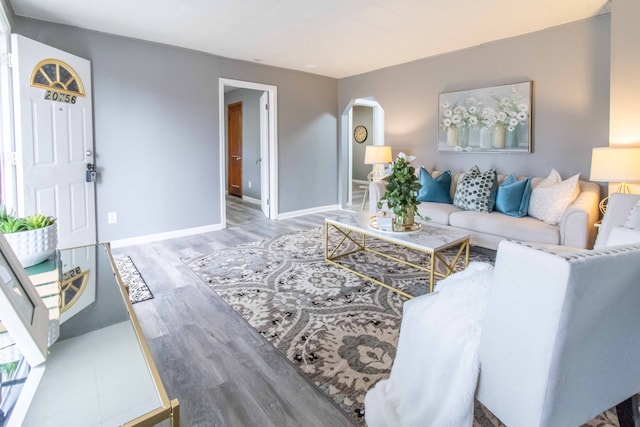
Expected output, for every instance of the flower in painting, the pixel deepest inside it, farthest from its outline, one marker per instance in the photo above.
(462, 113)
(513, 111)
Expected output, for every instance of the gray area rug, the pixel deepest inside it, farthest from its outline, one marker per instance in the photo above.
(341, 331)
(138, 289)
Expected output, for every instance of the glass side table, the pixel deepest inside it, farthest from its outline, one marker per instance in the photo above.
(99, 371)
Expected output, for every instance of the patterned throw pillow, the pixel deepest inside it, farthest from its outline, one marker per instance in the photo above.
(475, 190)
(551, 197)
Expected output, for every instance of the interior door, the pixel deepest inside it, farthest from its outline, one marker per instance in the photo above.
(264, 153)
(234, 137)
(54, 138)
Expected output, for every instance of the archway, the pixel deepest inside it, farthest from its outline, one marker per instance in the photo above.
(345, 193)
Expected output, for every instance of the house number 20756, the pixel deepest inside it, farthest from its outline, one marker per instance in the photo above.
(52, 95)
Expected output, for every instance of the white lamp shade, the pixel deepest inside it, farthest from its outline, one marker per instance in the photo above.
(615, 164)
(376, 154)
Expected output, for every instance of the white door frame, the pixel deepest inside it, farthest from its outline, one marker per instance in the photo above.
(271, 162)
(8, 168)
(347, 126)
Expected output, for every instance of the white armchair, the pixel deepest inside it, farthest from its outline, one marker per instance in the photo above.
(560, 340)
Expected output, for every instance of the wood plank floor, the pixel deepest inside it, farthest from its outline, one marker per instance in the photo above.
(219, 368)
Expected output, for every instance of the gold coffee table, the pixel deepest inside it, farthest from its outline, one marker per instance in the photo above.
(432, 239)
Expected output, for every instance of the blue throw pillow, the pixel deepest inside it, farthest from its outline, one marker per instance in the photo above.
(435, 189)
(513, 196)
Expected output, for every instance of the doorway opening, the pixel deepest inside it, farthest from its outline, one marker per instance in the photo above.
(376, 133)
(259, 164)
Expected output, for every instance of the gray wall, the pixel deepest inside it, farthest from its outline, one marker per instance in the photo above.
(250, 137)
(157, 136)
(569, 67)
(361, 116)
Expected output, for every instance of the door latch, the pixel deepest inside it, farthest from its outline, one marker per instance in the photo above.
(91, 172)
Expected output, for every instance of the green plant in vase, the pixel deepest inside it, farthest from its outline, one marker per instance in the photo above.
(401, 193)
(33, 238)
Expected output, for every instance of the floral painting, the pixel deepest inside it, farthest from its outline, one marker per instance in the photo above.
(493, 119)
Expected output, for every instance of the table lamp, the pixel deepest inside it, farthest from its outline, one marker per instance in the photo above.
(378, 155)
(615, 164)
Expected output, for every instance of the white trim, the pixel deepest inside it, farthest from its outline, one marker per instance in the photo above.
(273, 143)
(359, 181)
(150, 238)
(9, 179)
(252, 200)
(319, 209)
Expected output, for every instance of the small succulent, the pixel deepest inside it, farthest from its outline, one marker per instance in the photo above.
(12, 224)
(36, 221)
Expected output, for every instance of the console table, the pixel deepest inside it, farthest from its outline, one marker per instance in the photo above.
(100, 370)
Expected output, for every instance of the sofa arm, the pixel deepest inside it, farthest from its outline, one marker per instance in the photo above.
(377, 188)
(577, 226)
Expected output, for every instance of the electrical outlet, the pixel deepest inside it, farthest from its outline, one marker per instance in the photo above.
(112, 217)
(249, 184)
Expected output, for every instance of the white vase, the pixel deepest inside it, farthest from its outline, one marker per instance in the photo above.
(34, 246)
(486, 137)
(499, 137)
(452, 136)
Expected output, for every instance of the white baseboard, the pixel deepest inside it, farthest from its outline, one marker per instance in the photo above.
(319, 209)
(150, 238)
(251, 200)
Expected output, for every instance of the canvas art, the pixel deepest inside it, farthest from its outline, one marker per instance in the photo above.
(492, 119)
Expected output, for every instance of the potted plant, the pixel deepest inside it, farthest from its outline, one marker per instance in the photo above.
(401, 192)
(33, 238)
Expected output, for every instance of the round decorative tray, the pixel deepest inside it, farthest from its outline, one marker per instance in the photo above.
(414, 228)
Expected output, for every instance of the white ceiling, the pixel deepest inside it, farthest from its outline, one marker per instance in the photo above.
(336, 38)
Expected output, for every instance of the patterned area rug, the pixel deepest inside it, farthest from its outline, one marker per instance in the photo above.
(138, 289)
(338, 329)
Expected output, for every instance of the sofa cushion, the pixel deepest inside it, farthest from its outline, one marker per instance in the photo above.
(475, 190)
(551, 197)
(525, 229)
(438, 212)
(434, 189)
(513, 196)
(623, 236)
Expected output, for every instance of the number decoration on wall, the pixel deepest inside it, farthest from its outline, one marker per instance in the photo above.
(60, 80)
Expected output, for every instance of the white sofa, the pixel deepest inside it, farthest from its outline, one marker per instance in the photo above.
(576, 228)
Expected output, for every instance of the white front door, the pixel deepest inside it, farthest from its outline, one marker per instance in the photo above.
(54, 138)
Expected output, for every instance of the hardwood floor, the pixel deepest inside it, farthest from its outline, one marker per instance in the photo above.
(219, 368)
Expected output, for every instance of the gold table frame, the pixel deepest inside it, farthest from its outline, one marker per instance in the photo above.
(434, 253)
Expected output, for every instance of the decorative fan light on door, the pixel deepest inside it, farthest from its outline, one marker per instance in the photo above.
(59, 78)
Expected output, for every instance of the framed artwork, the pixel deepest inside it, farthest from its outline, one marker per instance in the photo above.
(492, 119)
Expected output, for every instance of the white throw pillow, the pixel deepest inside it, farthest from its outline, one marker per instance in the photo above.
(633, 219)
(551, 197)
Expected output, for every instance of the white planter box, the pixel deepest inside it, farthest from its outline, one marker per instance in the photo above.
(34, 246)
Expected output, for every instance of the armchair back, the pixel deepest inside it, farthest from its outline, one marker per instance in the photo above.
(560, 341)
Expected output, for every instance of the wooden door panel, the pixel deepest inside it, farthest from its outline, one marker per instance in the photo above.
(234, 137)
